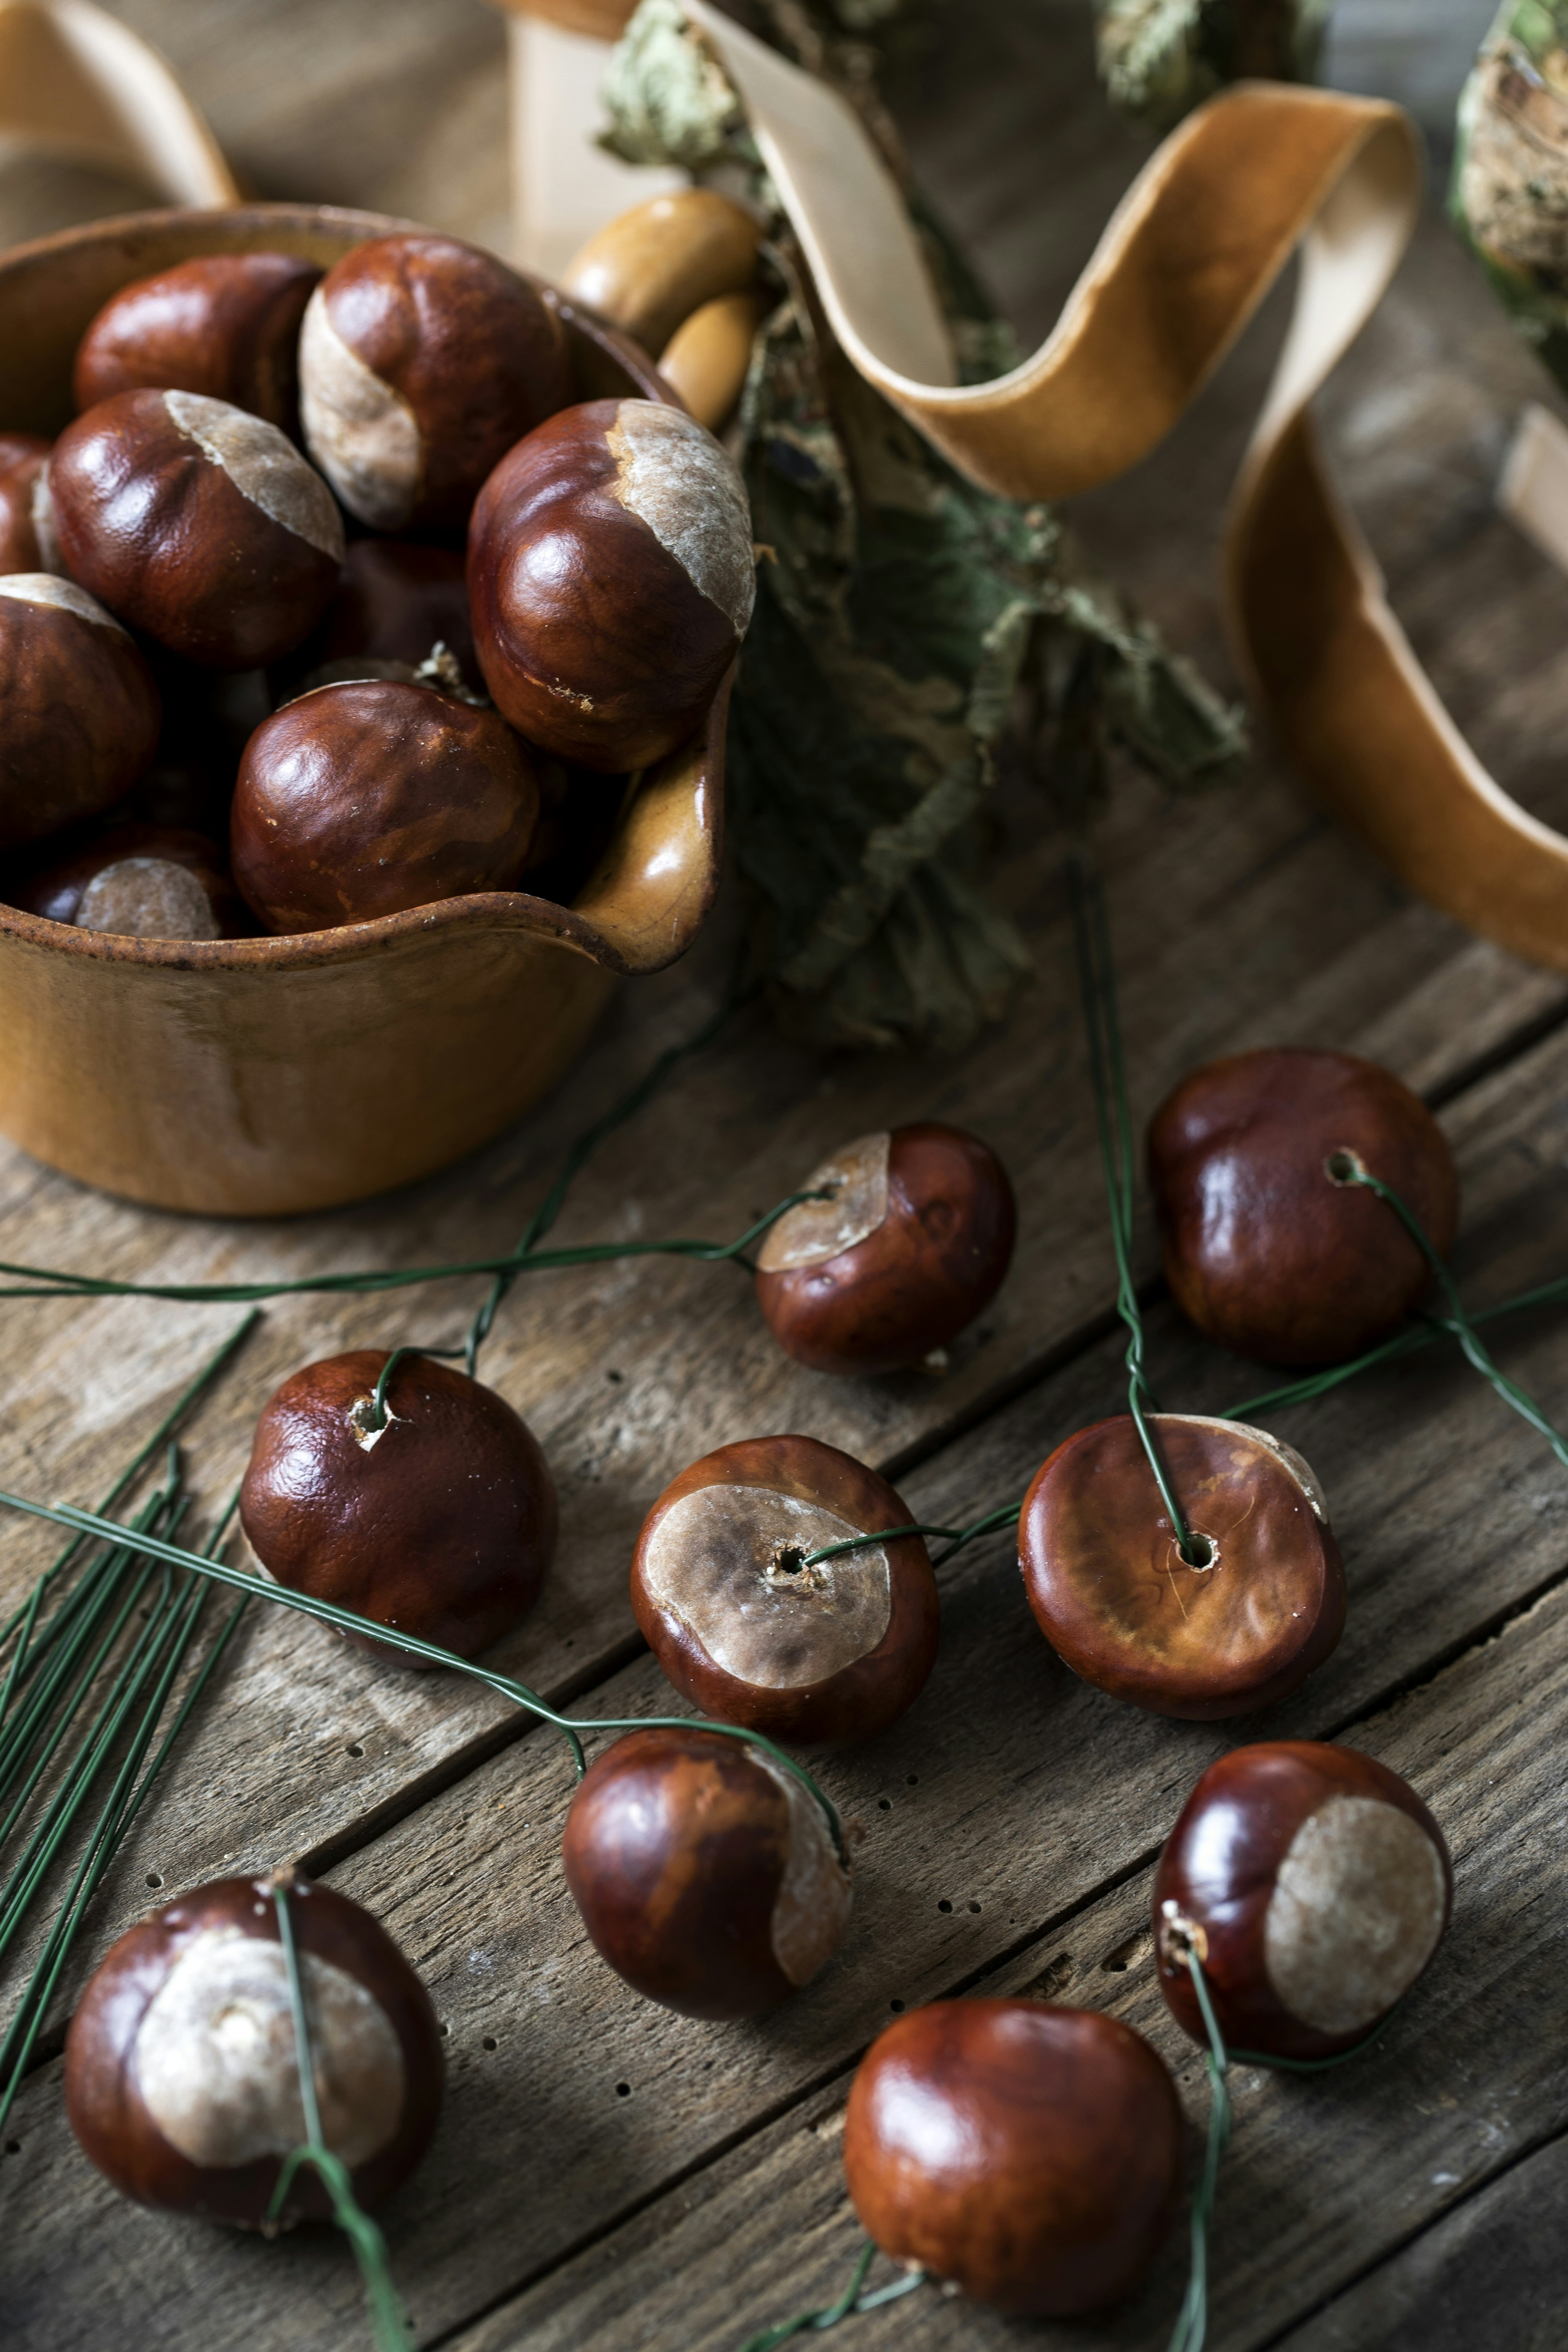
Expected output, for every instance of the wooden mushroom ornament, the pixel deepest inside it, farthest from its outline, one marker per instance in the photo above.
(1267, 1249)
(181, 2066)
(437, 1519)
(1027, 2155)
(909, 1245)
(706, 1873)
(611, 580)
(1258, 1606)
(831, 1652)
(1314, 1887)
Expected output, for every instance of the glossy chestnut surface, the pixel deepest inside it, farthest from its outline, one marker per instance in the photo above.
(143, 881)
(197, 524)
(1030, 2156)
(1315, 1887)
(440, 1524)
(1264, 1251)
(611, 580)
(1116, 1601)
(706, 1874)
(911, 1247)
(24, 458)
(81, 712)
(832, 1652)
(396, 601)
(227, 324)
(182, 2072)
(422, 361)
(360, 801)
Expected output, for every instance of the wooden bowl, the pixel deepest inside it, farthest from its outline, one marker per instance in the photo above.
(251, 1077)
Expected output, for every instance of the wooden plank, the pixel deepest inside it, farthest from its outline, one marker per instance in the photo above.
(1011, 1793)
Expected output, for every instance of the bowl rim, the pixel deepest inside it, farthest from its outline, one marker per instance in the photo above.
(516, 912)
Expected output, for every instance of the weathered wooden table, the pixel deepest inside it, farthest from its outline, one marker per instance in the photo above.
(607, 2175)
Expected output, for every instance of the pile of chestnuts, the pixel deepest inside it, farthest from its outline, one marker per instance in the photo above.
(333, 602)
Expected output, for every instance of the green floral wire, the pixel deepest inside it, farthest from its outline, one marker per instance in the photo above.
(347, 1621)
(849, 2304)
(390, 2324)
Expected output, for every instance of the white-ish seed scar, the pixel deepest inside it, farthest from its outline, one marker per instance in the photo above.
(362, 436)
(1356, 1911)
(811, 1909)
(264, 466)
(147, 899)
(47, 588)
(856, 1178)
(672, 473)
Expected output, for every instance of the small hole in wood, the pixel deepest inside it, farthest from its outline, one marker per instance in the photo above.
(445, 2029)
(944, 1906)
(488, 2043)
(911, 1780)
(975, 1906)
(615, 1376)
(896, 2006)
(884, 1805)
(154, 1879)
(622, 2090)
(13, 2147)
(355, 1750)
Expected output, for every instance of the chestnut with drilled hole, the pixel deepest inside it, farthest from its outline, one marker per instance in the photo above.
(23, 467)
(197, 524)
(141, 881)
(1265, 1251)
(395, 601)
(182, 2075)
(438, 1523)
(227, 324)
(1258, 1606)
(1029, 2156)
(81, 709)
(360, 801)
(823, 1653)
(706, 1872)
(422, 361)
(1314, 1887)
(911, 1245)
(611, 580)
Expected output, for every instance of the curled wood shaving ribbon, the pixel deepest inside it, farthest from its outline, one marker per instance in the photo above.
(1184, 261)
(77, 84)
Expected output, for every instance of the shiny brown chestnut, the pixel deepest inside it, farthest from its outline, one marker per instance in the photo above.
(706, 1873)
(197, 524)
(1265, 1250)
(610, 580)
(829, 1653)
(143, 881)
(1027, 2155)
(24, 460)
(359, 801)
(439, 1524)
(1262, 1605)
(422, 360)
(397, 600)
(81, 712)
(909, 1248)
(1313, 1885)
(227, 324)
(181, 2068)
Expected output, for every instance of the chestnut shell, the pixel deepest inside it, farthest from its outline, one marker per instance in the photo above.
(679, 1852)
(227, 324)
(934, 1263)
(1263, 1252)
(1030, 2155)
(23, 457)
(57, 888)
(859, 1697)
(81, 712)
(104, 2096)
(443, 1527)
(1113, 1597)
(1219, 1871)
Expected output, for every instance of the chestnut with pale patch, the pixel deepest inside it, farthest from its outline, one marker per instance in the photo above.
(362, 799)
(706, 1873)
(143, 881)
(826, 1654)
(197, 524)
(1265, 1252)
(909, 1246)
(81, 712)
(225, 324)
(440, 1524)
(1029, 2156)
(611, 580)
(422, 361)
(23, 463)
(1264, 1605)
(181, 2064)
(1315, 1887)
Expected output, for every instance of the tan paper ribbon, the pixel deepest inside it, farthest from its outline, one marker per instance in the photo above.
(1183, 263)
(78, 84)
